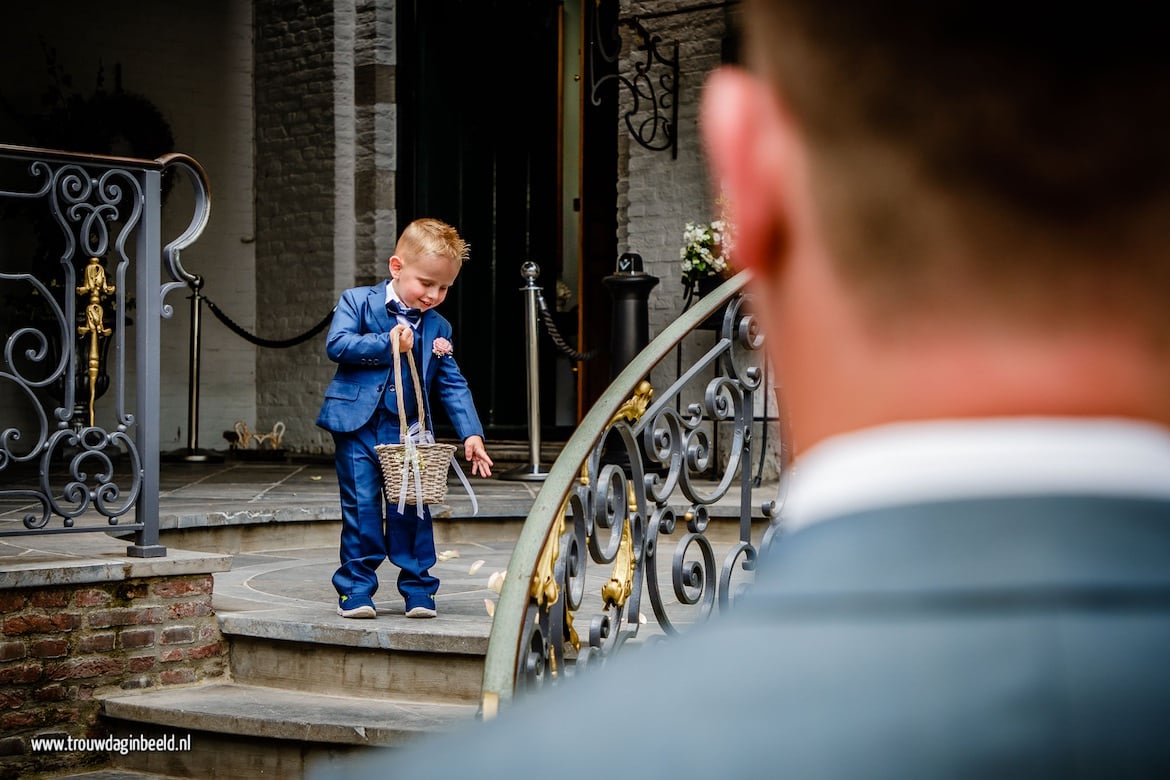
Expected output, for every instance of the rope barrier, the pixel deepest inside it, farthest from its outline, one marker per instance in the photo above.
(554, 333)
(270, 343)
(546, 317)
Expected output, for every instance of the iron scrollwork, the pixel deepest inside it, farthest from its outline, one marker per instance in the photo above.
(67, 297)
(96, 210)
(652, 88)
(637, 519)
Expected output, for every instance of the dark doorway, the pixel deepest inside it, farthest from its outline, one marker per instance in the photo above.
(477, 134)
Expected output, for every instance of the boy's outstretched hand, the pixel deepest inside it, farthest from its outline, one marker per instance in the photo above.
(481, 464)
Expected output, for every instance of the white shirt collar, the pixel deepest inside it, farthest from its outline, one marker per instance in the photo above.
(391, 293)
(905, 463)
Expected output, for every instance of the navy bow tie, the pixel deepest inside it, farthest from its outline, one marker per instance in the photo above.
(398, 309)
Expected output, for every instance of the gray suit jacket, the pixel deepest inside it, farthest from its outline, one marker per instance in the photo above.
(1022, 637)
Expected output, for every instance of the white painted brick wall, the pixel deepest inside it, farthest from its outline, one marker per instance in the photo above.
(658, 195)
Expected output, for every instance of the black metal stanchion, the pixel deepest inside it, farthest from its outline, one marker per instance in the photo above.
(531, 471)
(192, 453)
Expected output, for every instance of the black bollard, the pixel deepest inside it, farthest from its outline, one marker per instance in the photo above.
(630, 288)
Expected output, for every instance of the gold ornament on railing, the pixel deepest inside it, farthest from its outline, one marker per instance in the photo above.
(620, 586)
(96, 288)
(544, 583)
(636, 405)
(544, 589)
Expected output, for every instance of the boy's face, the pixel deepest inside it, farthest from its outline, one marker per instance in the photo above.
(422, 282)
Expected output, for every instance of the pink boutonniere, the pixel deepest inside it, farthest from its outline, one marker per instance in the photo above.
(441, 348)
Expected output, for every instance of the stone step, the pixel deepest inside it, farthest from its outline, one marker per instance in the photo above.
(439, 660)
(245, 731)
(111, 774)
(249, 531)
(285, 522)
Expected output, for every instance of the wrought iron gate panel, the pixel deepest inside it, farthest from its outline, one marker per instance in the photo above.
(72, 346)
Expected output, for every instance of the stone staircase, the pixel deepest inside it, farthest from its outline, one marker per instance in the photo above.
(302, 694)
(305, 687)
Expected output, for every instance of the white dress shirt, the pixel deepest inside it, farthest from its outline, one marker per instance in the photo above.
(916, 462)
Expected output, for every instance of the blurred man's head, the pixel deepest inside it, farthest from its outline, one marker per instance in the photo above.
(947, 197)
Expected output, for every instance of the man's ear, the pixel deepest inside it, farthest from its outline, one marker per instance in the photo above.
(747, 139)
(395, 266)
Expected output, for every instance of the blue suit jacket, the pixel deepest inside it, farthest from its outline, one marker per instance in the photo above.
(359, 342)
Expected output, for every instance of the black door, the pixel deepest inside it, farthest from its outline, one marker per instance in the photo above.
(478, 124)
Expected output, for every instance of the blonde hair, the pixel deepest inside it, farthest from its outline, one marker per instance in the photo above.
(431, 237)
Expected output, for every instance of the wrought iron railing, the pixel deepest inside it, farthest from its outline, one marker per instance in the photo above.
(69, 276)
(639, 472)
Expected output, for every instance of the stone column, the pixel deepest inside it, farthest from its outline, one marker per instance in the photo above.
(325, 159)
(375, 99)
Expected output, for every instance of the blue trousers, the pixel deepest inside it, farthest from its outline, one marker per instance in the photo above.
(371, 528)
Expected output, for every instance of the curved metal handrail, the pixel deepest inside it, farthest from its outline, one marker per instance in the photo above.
(60, 155)
(202, 190)
(542, 529)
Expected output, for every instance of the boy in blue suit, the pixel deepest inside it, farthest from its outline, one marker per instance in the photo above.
(361, 411)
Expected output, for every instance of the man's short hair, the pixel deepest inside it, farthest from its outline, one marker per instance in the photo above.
(429, 236)
(1022, 146)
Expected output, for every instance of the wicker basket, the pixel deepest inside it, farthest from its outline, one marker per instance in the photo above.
(431, 461)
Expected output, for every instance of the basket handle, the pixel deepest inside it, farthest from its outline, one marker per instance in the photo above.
(422, 414)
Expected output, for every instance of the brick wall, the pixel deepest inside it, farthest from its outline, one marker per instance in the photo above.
(658, 195)
(376, 137)
(295, 218)
(62, 648)
(325, 161)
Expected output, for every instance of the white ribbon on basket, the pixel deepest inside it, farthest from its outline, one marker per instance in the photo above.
(413, 437)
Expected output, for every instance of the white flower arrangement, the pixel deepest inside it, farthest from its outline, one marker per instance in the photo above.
(706, 248)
